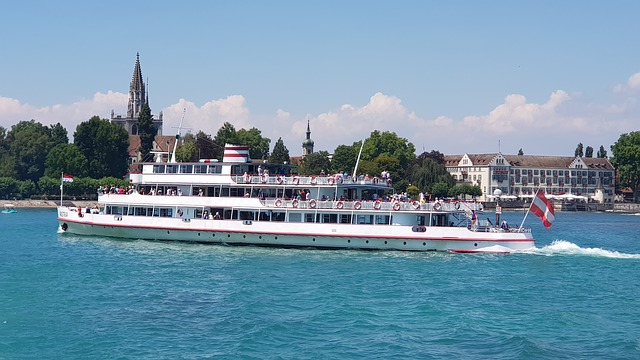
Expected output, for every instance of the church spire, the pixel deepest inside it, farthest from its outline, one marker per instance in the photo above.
(137, 92)
(307, 144)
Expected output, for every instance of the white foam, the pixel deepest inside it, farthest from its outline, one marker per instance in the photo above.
(562, 247)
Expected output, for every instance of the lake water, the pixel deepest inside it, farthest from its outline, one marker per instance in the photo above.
(575, 296)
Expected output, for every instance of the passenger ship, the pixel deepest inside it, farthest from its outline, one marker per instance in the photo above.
(229, 203)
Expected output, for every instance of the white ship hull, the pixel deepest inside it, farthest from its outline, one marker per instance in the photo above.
(300, 235)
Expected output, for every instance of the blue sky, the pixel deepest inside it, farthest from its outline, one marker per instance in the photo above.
(454, 76)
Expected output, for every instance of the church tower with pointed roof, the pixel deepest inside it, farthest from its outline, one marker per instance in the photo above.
(307, 144)
(138, 96)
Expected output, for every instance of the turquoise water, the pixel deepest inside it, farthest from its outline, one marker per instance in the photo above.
(575, 296)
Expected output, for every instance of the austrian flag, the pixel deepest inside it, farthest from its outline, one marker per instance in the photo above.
(67, 178)
(543, 209)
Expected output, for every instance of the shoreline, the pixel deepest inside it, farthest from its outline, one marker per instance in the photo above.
(47, 204)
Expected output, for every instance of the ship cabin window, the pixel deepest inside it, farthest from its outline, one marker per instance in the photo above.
(345, 218)
(310, 218)
(199, 169)
(172, 169)
(439, 220)
(224, 191)
(295, 217)
(114, 210)
(238, 192)
(247, 215)
(264, 216)
(382, 219)
(277, 216)
(330, 218)
(364, 219)
(420, 220)
(186, 169)
(158, 169)
(214, 169)
(230, 215)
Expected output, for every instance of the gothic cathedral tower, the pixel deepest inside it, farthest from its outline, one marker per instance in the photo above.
(137, 98)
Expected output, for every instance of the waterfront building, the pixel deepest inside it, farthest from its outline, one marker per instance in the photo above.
(520, 175)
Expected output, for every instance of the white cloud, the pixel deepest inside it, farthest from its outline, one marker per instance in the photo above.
(552, 127)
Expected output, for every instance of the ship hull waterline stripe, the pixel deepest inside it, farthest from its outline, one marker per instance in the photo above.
(298, 234)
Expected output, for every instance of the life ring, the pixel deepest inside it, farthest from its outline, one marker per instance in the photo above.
(180, 212)
(312, 203)
(339, 205)
(313, 180)
(396, 206)
(340, 180)
(296, 180)
(331, 181)
(437, 206)
(416, 205)
(247, 178)
(479, 207)
(377, 205)
(457, 205)
(265, 177)
(278, 202)
(357, 205)
(294, 203)
(279, 180)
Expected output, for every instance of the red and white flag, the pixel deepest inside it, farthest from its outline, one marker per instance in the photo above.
(67, 178)
(542, 207)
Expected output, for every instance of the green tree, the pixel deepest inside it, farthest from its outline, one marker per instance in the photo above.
(65, 158)
(29, 144)
(579, 151)
(147, 132)
(280, 153)
(206, 148)
(344, 158)
(258, 145)
(425, 171)
(7, 162)
(105, 146)
(440, 189)
(187, 151)
(315, 163)
(59, 134)
(226, 135)
(602, 153)
(588, 152)
(9, 187)
(626, 160)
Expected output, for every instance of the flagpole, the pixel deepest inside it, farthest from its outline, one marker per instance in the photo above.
(61, 187)
(529, 210)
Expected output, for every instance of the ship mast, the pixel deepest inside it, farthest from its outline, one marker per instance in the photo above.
(178, 135)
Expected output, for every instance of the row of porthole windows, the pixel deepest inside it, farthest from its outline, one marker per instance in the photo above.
(314, 239)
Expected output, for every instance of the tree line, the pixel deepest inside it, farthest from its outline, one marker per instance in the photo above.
(33, 157)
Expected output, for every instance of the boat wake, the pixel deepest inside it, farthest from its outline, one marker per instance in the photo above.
(562, 247)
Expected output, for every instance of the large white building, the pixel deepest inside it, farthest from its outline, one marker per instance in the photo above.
(522, 174)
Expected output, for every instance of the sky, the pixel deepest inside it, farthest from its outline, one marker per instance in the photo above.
(453, 76)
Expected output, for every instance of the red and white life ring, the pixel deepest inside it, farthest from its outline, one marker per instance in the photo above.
(416, 205)
(357, 205)
(278, 202)
(180, 212)
(339, 205)
(331, 180)
(457, 205)
(279, 180)
(294, 203)
(339, 181)
(312, 203)
(296, 180)
(247, 178)
(313, 180)
(377, 205)
(437, 206)
(396, 206)
(265, 178)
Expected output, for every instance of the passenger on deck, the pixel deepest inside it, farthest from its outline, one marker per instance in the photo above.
(504, 225)
(216, 216)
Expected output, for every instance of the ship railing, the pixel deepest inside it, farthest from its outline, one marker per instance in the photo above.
(363, 205)
(308, 180)
(496, 229)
